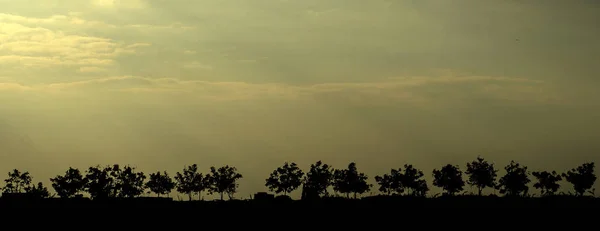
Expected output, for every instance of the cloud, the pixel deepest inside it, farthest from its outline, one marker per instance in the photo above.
(72, 19)
(14, 86)
(103, 2)
(136, 45)
(197, 65)
(44, 48)
(423, 90)
(127, 4)
(189, 52)
(170, 26)
(32, 20)
(75, 19)
(69, 43)
(256, 60)
(92, 69)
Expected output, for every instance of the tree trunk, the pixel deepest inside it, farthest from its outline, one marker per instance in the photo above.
(480, 189)
(190, 196)
(221, 195)
(354, 195)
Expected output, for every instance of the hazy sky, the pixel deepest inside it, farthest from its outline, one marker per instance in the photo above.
(160, 84)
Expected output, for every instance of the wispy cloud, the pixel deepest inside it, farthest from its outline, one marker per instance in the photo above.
(39, 47)
(92, 69)
(25, 42)
(14, 86)
(416, 89)
(77, 19)
(189, 52)
(197, 65)
(128, 4)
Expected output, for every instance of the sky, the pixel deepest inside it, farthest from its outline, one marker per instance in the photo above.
(160, 84)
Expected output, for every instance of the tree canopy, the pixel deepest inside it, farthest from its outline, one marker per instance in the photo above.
(285, 179)
(350, 181)
(449, 178)
(114, 181)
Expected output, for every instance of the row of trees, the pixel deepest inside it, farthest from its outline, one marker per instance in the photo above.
(116, 182)
(409, 181)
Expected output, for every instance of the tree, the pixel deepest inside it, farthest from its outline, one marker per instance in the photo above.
(391, 183)
(318, 178)
(39, 191)
(17, 182)
(547, 182)
(285, 179)
(349, 180)
(514, 182)
(160, 183)
(69, 185)
(223, 180)
(421, 189)
(582, 178)
(203, 184)
(100, 182)
(449, 178)
(187, 183)
(129, 183)
(481, 174)
(411, 180)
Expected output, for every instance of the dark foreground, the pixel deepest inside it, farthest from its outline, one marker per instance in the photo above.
(368, 203)
(378, 211)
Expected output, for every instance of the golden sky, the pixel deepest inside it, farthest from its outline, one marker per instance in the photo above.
(160, 84)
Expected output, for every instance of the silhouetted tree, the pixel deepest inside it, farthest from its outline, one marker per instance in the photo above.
(391, 183)
(481, 174)
(115, 172)
(100, 182)
(547, 182)
(224, 180)
(70, 184)
(203, 183)
(285, 179)
(411, 180)
(308, 192)
(17, 182)
(160, 183)
(449, 178)
(187, 183)
(318, 178)
(421, 189)
(582, 178)
(129, 183)
(349, 180)
(39, 191)
(514, 182)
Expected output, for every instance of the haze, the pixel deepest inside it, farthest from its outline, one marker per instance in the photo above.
(161, 84)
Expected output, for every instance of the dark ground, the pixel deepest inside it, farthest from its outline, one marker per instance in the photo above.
(370, 203)
(460, 212)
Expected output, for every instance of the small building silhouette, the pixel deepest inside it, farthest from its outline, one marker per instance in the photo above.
(263, 196)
